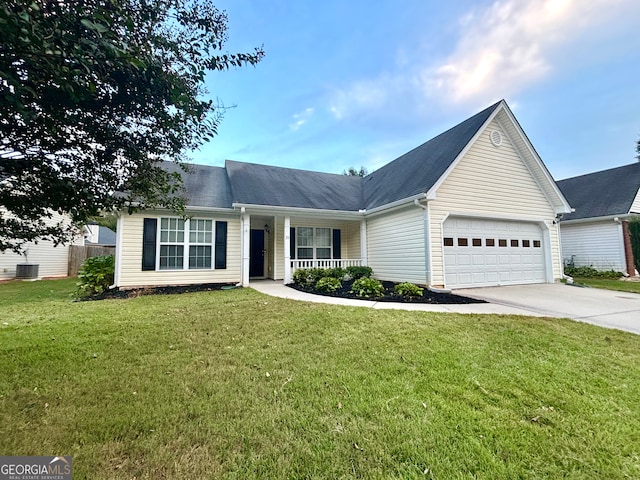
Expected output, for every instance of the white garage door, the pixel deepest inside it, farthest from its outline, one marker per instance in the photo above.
(485, 252)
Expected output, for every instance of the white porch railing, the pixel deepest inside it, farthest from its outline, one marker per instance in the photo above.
(328, 263)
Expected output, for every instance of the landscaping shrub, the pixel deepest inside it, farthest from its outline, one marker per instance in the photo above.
(359, 272)
(306, 277)
(407, 289)
(301, 277)
(367, 287)
(590, 272)
(328, 284)
(634, 230)
(316, 274)
(336, 272)
(96, 275)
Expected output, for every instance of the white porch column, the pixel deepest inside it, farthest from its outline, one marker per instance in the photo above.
(246, 235)
(287, 250)
(363, 242)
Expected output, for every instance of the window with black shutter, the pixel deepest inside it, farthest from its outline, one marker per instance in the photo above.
(149, 233)
(337, 247)
(221, 245)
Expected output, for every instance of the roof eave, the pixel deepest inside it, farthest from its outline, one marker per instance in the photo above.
(603, 218)
(276, 209)
(398, 203)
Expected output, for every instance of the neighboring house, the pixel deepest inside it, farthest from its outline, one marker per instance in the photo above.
(99, 235)
(52, 260)
(597, 233)
(474, 206)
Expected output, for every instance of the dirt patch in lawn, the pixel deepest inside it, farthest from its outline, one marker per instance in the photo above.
(391, 296)
(168, 290)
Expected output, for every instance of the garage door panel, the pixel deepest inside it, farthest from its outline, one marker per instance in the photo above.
(478, 259)
(480, 252)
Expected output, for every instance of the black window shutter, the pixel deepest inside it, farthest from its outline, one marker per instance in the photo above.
(337, 246)
(149, 233)
(292, 243)
(221, 245)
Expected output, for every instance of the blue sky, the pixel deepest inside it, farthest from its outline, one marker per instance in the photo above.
(359, 83)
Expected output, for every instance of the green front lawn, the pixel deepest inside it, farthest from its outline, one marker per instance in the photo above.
(609, 284)
(235, 384)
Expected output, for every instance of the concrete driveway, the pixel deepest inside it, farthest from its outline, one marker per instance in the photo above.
(605, 308)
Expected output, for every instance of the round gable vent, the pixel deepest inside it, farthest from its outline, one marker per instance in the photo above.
(496, 138)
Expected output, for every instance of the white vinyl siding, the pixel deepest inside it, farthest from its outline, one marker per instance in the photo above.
(598, 245)
(53, 260)
(396, 245)
(635, 206)
(490, 181)
(131, 274)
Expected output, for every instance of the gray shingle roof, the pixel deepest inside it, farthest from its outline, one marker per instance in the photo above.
(411, 174)
(601, 194)
(287, 187)
(205, 186)
(417, 171)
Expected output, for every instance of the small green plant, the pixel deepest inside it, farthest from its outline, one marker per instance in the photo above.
(328, 284)
(367, 287)
(301, 277)
(316, 274)
(96, 275)
(355, 272)
(407, 289)
(590, 272)
(307, 277)
(336, 272)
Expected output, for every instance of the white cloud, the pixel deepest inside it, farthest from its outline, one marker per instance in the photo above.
(502, 49)
(300, 119)
(512, 44)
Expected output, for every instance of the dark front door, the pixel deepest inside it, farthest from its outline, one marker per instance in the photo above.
(256, 262)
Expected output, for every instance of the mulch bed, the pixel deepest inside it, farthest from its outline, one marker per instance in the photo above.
(137, 292)
(391, 296)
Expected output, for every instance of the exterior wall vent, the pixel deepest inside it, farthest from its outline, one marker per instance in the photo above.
(496, 138)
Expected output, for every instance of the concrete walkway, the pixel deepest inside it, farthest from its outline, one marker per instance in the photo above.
(605, 308)
(277, 289)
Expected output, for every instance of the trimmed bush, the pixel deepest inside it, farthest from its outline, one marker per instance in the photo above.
(407, 289)
(96, 275)
(367, 287)
(301, 277)
(306, 277)
(316, 274)
(336, 272)
(590, 272)
(328, 284)
(359, 272)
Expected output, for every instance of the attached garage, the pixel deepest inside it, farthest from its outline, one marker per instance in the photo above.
(487, 252)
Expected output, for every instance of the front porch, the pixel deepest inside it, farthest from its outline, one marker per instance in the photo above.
(325, 263)
(275, 246)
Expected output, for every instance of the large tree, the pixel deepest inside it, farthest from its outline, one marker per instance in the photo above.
(94, 95)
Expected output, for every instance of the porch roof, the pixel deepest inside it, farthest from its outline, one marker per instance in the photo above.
(287, 187)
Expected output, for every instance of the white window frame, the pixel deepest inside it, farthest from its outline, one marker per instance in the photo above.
(186, 244)
(314, 246)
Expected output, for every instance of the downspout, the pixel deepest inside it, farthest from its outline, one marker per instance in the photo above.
(564, 276)
(427, 239)
(627, 249)
(240, 283)
(117, 274)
